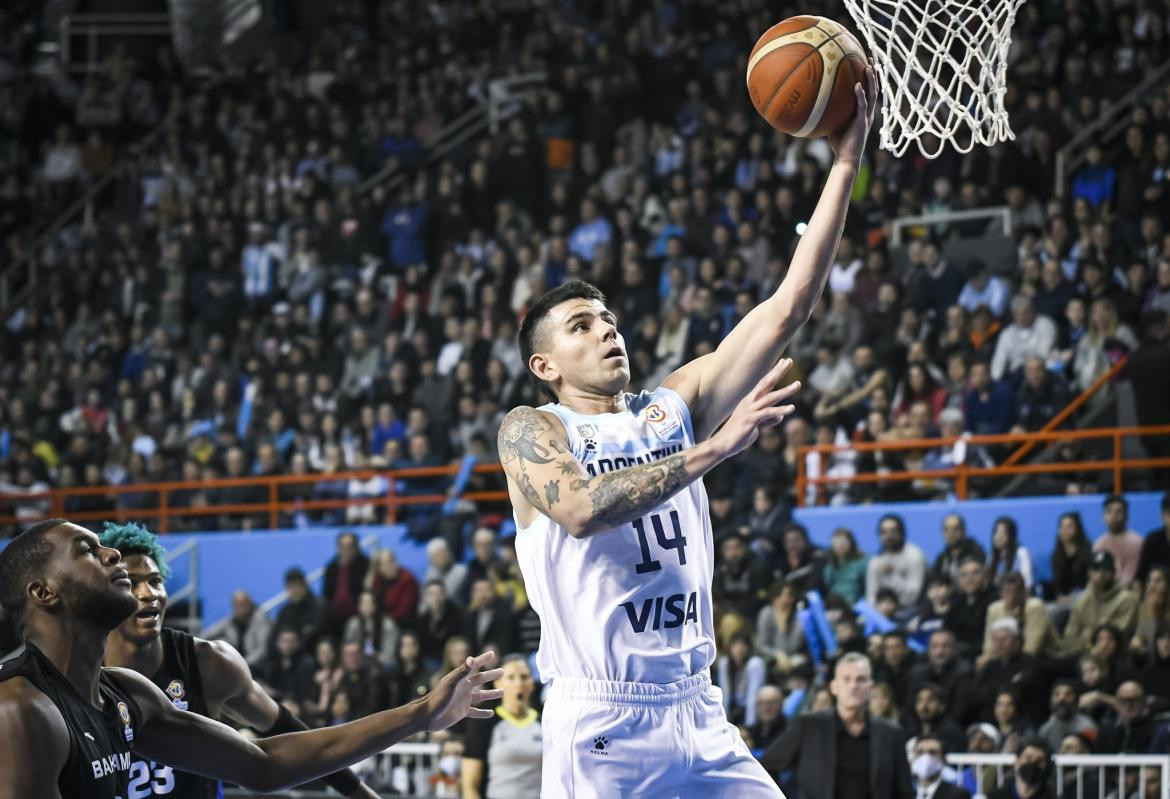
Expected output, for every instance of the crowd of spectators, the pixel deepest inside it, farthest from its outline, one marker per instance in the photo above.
(973, 650)
(253, 311)
(247, 308)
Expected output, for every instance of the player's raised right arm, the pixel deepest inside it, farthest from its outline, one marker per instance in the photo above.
(544, 477)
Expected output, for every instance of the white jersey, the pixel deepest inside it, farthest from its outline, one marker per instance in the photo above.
(632, 603)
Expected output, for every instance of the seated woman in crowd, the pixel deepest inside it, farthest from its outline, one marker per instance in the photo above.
(1154, 611)
(1007, 555)
(845, 570)
(740, 674)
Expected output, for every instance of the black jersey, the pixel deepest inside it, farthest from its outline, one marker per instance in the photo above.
(99, 763)
(180, 680)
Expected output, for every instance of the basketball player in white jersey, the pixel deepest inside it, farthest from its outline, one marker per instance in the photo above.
(613, 530)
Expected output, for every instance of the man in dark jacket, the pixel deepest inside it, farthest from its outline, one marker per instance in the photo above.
(343, 579)
(844, 752)
(926, 764)
(959, 547)
(488, 619)
(741, 580)
(968, 614)
(945, 669)
(438, 619)
(304, 612)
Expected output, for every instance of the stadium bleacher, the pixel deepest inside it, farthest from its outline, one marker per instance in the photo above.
(286, 278)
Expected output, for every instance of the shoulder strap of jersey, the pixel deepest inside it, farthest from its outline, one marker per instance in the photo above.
(675, 400)
(572, 429)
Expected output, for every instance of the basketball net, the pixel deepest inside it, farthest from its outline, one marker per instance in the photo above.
(942, 66)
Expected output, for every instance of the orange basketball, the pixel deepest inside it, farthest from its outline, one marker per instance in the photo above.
(801, 74)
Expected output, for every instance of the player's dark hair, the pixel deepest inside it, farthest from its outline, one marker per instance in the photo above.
(21, 562)
(134, 539)
(572, 290)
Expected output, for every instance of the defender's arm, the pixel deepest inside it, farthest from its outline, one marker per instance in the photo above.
(35, 742)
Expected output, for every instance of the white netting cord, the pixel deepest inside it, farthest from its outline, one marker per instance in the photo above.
(942, 66)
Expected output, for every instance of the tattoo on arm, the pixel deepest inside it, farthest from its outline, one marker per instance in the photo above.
(616, 497)
(520, 444)
(621, 496)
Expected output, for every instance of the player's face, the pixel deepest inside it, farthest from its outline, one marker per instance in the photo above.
(89, 579)
(150, 591)
(585, 349)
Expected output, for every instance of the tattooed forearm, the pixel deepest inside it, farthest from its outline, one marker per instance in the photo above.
(621, 496)
(543, 474)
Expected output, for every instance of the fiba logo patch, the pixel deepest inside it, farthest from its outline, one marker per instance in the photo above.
(599, 746)
(660, 421)
(176, 691)
(124, 714)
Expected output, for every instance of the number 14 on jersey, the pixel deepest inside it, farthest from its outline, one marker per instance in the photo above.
(677, 541)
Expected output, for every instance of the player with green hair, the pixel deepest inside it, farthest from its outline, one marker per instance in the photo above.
(206, 677)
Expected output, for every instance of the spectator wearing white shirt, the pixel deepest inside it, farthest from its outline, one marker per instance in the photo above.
(846, 267)
(899, 566)
(62, 158)
(260, 265)
(984, 288)
(1029, 335)
(442, 566)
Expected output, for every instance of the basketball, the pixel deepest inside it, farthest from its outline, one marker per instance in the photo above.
(801, 73)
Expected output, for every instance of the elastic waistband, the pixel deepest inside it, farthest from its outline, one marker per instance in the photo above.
(629, 693)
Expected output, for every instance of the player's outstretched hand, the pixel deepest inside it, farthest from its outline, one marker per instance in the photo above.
(759, 409)
(460, 690)
(849, 142)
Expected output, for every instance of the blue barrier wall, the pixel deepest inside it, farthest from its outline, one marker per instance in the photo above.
(1036, 518)
(257, 561)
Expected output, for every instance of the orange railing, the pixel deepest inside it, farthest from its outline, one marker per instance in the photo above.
(1069, 410)
(54, 502)
(962, 474)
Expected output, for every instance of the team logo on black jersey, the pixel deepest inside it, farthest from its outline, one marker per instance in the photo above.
(124, 714)
(176, 691)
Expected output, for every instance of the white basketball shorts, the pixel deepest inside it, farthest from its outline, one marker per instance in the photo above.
(605, 740)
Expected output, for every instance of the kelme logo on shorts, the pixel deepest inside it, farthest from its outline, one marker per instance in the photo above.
(599, 746)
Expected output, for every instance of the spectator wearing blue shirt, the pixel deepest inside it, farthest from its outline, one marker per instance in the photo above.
(983, 288)
(388, 428)
(989, 407)
(405, 225)
(1095, 181)
(595, 231)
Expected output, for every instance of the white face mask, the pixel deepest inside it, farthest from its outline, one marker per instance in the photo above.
(449, 765)
(926, 767)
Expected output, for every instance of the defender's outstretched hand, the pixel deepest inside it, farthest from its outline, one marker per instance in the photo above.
(759, 409)
(849, 142)
(460, 690)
